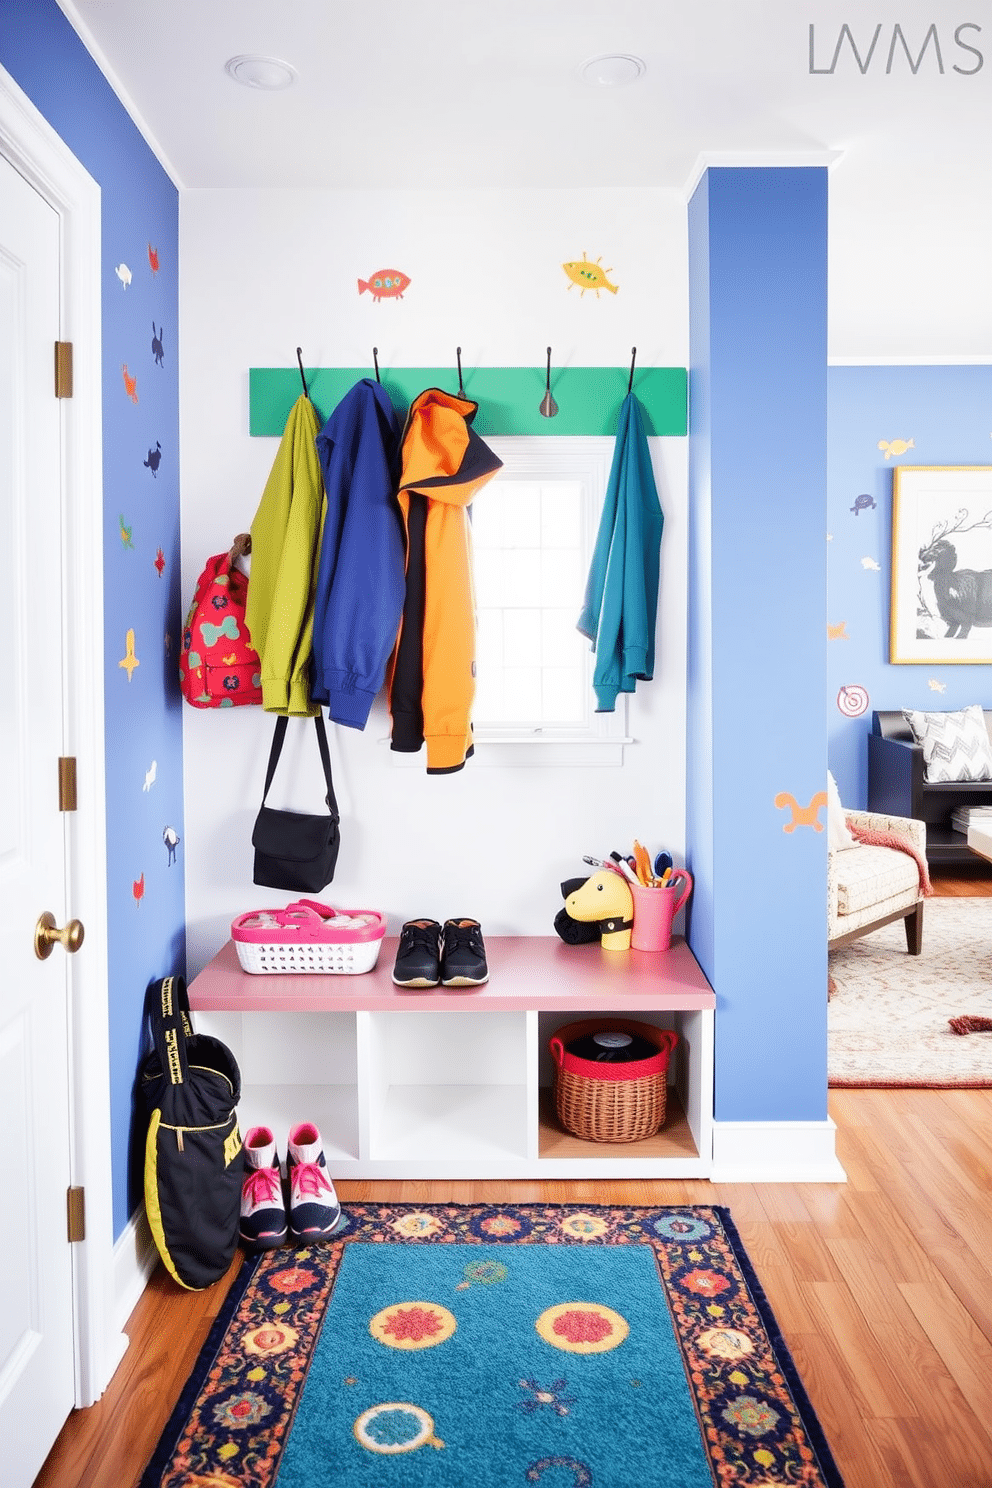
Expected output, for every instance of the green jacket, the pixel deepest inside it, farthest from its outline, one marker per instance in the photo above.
(285, 548)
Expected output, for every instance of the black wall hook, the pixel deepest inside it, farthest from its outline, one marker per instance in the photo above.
(633, 358)
(548, 407)
(461, 387)
(303, 379)
(375, 358)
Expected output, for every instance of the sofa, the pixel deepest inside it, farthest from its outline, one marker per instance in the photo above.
(897, 786)
(868, 887)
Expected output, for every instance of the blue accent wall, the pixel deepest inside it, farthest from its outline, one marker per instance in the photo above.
(700, 788)
(947, 412)
(757, 728)
(140, 230)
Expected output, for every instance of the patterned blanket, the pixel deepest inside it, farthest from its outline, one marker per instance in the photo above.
(875, 837)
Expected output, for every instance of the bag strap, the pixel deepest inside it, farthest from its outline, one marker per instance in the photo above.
(274, 753)
(167, 1013)
(325, 759)
(278, 738)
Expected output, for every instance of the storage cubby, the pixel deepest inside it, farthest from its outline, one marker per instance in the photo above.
(680, 1144)
(459, 1084)
(447, 1087)
(295, 1066)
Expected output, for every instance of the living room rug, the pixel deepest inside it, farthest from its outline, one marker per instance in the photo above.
(889, 1018)
(479, 1346)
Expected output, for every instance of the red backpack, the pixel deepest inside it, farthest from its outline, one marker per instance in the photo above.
(218, 668)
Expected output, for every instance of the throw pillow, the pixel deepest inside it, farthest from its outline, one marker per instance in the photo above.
(838, 836)
(955, 745)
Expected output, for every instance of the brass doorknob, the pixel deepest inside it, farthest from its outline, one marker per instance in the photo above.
(47, 935)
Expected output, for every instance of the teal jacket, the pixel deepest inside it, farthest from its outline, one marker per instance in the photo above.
(621, 599)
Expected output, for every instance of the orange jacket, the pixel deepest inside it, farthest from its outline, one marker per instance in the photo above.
(432, 676)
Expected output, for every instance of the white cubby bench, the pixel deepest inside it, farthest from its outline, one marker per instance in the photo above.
(458, 1084)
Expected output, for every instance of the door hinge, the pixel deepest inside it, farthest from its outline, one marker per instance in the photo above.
(75, 1210)
(63, 369)
(67, 782)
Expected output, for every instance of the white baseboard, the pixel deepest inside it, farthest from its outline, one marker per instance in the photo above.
(775, 1152)
(135, 1258)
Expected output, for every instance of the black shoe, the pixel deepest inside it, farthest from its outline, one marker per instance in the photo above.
(418, 956)
(463, 954)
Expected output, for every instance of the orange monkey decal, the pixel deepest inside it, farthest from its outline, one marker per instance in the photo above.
(802, 816)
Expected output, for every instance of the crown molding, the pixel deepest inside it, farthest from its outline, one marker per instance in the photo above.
(756, 160)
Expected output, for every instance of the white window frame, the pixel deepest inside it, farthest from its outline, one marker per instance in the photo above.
(600, 740)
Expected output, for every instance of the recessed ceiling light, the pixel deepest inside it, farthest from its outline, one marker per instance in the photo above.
(613, 71)
(260, 72)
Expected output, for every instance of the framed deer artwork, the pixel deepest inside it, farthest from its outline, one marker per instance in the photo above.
(941, 605)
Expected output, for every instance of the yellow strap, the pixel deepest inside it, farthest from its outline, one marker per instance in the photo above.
(232, 1146)
(152, 1207)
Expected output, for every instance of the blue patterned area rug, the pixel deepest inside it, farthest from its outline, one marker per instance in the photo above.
(482, 1346)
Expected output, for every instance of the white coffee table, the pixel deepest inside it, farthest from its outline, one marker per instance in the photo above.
(980, 838)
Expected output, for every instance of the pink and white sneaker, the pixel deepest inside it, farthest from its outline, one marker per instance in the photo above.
(263, 1209)
(314, 1211)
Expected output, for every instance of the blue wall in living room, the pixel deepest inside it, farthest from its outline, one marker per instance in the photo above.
(755, 701)
(144, 761)
(946, 411)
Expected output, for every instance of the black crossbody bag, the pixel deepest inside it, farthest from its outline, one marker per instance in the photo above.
(294, 850)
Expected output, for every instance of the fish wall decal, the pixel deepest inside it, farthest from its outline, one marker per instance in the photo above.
(895, 446)
(589, 275)
(385, 284)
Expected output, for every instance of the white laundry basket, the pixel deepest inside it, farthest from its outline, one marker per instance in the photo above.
(310, 938)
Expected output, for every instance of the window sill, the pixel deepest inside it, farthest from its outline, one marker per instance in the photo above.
(529, 750)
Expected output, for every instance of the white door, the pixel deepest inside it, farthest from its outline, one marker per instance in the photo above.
(36, 1313)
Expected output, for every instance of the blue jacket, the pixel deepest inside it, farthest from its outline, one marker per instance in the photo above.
(360, 582)
(621, 600)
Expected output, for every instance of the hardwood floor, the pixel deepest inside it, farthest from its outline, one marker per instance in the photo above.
(882, 1288)
(963, 879)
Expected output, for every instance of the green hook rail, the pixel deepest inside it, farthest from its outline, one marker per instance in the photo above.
(509, 398)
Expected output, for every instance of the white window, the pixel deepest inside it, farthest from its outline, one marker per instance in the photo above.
(533, 531)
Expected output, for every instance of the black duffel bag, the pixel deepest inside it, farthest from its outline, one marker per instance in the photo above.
(194, 1164)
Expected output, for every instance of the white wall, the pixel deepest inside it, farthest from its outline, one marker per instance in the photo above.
(908, 250)
(265, 271)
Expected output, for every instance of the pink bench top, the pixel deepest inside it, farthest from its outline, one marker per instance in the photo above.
(525, 971)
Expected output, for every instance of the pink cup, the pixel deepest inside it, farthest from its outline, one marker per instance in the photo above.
(654, 910)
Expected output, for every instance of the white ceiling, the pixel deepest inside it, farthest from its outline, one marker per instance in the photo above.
(408, 94)
(397, 93)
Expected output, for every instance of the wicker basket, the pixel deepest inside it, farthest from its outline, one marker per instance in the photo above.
(611, 1102)
(309, 939)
